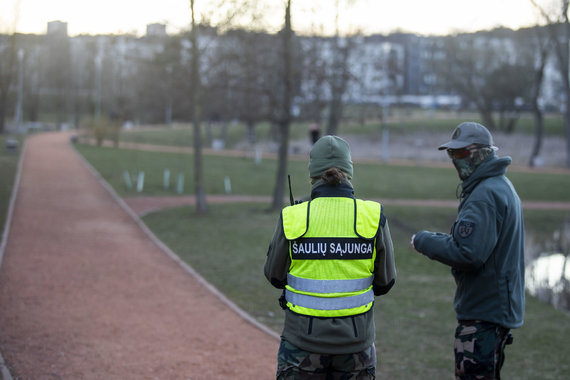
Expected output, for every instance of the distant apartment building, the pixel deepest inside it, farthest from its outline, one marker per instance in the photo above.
(57, 28)
(156, 30)
(86, 74)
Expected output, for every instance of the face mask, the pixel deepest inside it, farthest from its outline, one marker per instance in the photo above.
(464, 167)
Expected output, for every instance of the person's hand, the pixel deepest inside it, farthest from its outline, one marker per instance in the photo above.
(412, 241)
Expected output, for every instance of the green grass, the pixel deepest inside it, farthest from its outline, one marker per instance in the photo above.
(400, 122)
(182, 134)
(414, 322)
(373, 181)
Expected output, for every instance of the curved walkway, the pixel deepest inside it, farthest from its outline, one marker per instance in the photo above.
(86, 293)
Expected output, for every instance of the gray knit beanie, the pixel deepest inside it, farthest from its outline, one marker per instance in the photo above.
(330, 152)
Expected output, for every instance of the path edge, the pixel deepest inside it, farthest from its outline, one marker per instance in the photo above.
(4, 371)
(165, 249)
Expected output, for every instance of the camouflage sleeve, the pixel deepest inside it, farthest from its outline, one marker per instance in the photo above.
(384, 265)
(278, 261)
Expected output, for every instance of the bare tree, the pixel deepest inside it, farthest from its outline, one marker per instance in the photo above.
(314, 77)
(32, 83)
(534, 47)
(338, 82)
(483, 70)
(249, 57)
(7, 73)
(254, 105)
(58, 66)
(226, 13)
(558, 25)
(284, 117)
(195, 95)
(461, 73)
(7, 67)
(339, 76)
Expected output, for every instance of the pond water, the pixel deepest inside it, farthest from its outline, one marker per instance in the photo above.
(548, 279)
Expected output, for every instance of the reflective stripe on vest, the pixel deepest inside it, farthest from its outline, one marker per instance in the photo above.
(328, 286)
(320, 303)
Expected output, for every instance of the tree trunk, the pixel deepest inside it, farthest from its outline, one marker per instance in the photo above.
(539, 123)
(537, 111)
(285, 112)
(567, 124)
(5, 82)
(251, 138)
(335, 115)
(2, 113)
(339, 82)
(201, 205)
(511, 124)
(487, 117)
(279, 191)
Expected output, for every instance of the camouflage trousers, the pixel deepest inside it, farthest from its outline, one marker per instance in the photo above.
(296, 364)
(479, 350)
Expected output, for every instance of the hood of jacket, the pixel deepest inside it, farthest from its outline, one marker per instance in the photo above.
(492, 166)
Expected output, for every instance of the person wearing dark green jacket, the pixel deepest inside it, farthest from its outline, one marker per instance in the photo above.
(332, 255)
(485, 251)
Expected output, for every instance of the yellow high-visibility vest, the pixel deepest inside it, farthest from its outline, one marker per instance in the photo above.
(332, 249)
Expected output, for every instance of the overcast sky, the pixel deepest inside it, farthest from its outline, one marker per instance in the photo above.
(368, 16)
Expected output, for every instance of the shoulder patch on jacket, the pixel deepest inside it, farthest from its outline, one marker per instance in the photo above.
(465, 229)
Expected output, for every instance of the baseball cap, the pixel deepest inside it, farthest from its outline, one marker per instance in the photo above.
(468, 133)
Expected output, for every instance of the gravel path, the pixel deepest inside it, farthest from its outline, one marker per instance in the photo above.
(85, 293)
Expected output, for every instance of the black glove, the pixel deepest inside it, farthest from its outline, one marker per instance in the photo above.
(283, 301)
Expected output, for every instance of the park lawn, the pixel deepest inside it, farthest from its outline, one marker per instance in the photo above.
(372, 180)
(402, 121)
(415, 322)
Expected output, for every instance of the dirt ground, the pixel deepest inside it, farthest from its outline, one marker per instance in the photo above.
(86, 294)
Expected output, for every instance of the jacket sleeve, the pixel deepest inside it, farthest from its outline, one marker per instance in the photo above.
(278, 261)
(384, 265)
(472, 240)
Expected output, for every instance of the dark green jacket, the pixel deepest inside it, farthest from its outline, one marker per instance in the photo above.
(331, 335)
(485, 248)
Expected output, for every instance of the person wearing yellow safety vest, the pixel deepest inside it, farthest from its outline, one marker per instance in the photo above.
(332, 255)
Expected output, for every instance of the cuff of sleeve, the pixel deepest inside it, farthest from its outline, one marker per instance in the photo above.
(381, 290)
(278, 284)
(418, 240)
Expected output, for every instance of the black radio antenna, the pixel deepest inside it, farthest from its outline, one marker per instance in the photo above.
(290, 192)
